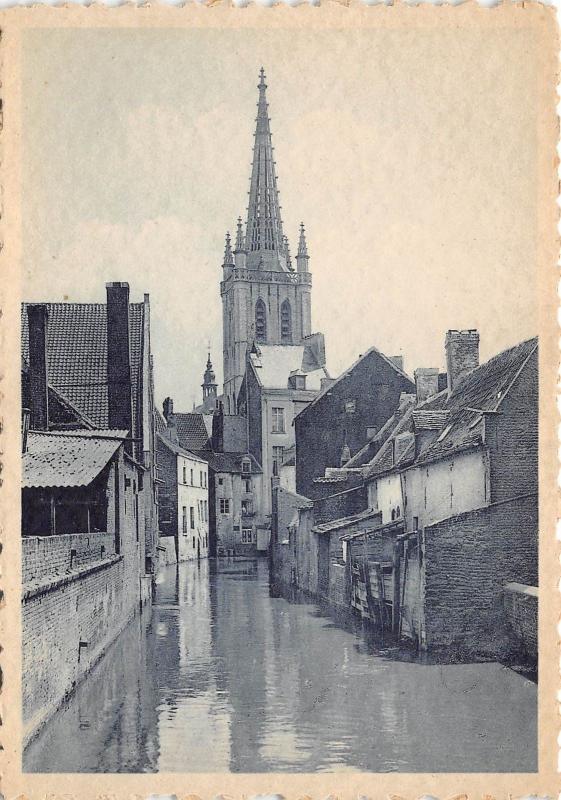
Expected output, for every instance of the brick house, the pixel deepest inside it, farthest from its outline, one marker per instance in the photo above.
(97, 357)
(345, 415)
(83, 520)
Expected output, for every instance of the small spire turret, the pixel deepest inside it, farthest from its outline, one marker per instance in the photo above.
(228, 257)
(287, 253)
(240, 245)
(302, 256)
(209, 387)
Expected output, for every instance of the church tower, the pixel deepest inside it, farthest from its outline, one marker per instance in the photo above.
(264, 299)
(209, 387)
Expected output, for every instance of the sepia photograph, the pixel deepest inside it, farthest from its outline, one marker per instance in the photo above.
(284, 338)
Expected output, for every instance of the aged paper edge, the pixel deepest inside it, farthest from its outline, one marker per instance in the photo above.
(546, 781)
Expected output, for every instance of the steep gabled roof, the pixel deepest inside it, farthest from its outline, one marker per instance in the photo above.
(178, 450)
(344, 374)
(192, 431)
(368, 452)
(77, 356)
(483, 389)
(230, 462)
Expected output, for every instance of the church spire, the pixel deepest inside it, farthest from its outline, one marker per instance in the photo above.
(264, 236)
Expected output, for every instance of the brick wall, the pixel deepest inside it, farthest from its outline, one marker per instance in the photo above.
(340, 504)
(521, 608)
(91, 603)
(167, 491)
(339, 586)
(50, 556)
(467, 561)
(513, 442)
(366, 397)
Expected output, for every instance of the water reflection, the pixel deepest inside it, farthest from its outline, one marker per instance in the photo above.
(221, 677)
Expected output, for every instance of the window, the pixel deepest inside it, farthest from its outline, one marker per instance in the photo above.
(184, 528)
(278, 420)
(247, 507)
(246, 466)
(247, 536)
(192, 515)
(224, 506)
(247, 486)
(184, 474)
(350, 406)
(206, 511)
(278, 454)
(193, 542)
(201, 478)
(192, 479)
(286, 322)
(260, 321)
(220, 481)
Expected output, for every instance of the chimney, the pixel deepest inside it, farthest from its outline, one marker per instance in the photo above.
(326, 383)
(314, 351)
(168, 408)
(119, 385)
(462, 355)
(426, 382)
(37, 316)
(398, 361)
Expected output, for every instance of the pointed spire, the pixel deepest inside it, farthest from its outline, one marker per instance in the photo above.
(287, 252)
(239, 237)
(228, 257)
(302, 245)
(264, 225)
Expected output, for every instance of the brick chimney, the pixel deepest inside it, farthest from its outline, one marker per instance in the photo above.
(398, 361)
(462, 355)
(119, 384)
(168, 408)
(37, 316)
(426, 382)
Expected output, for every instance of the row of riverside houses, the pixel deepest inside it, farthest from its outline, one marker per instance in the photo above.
(90, 487)
(423, 522)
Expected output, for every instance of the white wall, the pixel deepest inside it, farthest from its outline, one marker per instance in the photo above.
(194, 541)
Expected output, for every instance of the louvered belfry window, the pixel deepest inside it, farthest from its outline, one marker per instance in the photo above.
(286, 322)
(260, 321)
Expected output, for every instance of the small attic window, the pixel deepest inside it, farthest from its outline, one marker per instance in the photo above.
(444, 433)
(350, 406)
(246, 466)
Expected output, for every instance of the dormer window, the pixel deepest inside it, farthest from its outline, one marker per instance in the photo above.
(246, 466)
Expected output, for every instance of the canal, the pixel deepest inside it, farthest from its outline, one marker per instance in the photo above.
(218, 676)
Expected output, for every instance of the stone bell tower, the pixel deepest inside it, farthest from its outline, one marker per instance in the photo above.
(265, 300)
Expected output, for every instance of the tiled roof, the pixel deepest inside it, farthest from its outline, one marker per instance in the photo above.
(192, 431)
(230, 462)
(430, 420)
(161, 424)
(176, 448)
(69, 458)
(77, 356)
(368, 452)
(483, 389)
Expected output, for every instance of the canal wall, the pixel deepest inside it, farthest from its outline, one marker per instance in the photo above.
(78, 594)
(468, 559)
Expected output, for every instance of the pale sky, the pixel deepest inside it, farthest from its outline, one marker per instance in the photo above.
(414, 175)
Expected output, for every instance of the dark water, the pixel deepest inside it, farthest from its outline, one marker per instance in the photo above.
(221, 677)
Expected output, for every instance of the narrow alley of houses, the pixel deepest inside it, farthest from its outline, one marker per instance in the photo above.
(177, 692)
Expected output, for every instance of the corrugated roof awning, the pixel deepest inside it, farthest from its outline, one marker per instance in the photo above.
(67, 459)
(388, 526)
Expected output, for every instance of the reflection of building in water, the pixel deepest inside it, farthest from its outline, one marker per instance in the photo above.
(187, 678)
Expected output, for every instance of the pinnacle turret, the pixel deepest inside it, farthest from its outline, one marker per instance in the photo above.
(302, 256)
(240, 245)
(228, 257)
(287, 253)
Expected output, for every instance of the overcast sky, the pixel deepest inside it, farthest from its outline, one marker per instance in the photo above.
(416, 183)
